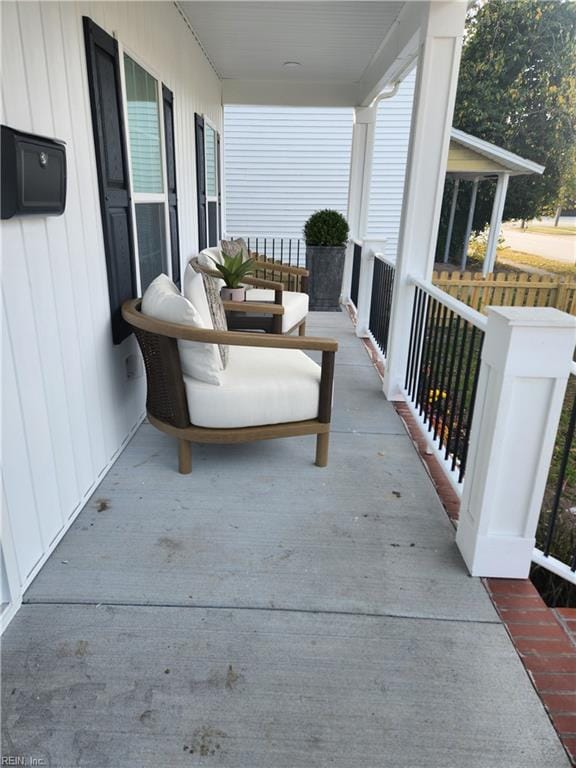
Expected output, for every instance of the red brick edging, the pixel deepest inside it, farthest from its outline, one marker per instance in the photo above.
(544, 638)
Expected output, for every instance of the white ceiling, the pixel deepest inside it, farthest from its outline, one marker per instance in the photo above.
(334, 41)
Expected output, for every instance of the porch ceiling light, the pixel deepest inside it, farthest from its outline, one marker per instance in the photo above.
(291, 64)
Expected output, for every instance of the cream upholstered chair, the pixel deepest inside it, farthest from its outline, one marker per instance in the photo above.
(262, 291)
(267, 388)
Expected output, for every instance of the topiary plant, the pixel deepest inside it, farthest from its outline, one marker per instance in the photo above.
(326, 227)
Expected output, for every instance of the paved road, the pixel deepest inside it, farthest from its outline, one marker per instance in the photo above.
(557, 247)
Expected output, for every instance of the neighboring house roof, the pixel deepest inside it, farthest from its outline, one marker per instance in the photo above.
(470, 156)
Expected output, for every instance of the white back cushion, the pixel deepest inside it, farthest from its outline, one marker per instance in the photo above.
(205, 259)
(163, 301)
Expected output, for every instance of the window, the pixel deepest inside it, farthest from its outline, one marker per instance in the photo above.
(212, 183)
(148, 173)
(208, 182)
(135, 152)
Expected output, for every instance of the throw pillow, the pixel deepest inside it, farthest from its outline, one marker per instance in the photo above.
(194, 272)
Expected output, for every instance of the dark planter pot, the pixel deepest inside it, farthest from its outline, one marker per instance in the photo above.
(326, 265)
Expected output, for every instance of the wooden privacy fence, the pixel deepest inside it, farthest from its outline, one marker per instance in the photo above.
(509, 289)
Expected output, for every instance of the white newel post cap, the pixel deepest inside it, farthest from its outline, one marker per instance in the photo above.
(526, 361)
(530, 341)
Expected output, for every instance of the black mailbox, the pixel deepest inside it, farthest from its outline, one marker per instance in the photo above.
(33, 175)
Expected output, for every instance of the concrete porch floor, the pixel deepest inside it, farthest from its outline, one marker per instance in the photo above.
(264, 613)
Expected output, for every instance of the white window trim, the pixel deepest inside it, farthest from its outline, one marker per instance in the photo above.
(213, 198)
(145, 197)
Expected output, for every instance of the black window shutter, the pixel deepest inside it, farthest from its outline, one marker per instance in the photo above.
(168, 101)
(103, 64)
(219, 172)
(201, 182)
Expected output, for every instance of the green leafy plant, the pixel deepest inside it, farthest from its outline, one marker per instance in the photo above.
(326, 227)
(234, 269)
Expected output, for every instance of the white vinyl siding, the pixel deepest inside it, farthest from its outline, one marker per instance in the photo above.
(282, 164)
(391, 140)
(69, 407)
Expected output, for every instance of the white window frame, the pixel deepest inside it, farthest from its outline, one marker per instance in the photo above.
(213, 198)
(145, 197)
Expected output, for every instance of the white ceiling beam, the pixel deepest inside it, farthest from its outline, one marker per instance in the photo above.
(281, 93)
(396, 54)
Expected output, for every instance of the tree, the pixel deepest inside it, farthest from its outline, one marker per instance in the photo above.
(517, 89)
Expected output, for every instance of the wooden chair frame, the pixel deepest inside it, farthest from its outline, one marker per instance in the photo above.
(166, 402)
(268, 318)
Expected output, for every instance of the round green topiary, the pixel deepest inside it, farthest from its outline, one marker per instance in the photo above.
(326, 227)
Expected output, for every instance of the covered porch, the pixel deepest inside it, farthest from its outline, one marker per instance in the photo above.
(263, 612)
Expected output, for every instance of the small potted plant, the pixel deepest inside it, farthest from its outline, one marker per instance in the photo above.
(326, 234)
(233, 270)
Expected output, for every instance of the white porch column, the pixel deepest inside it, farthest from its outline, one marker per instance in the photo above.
(438, 63)
(495, 223)
(451, 220)
(359, 184)
(369, 248)
(469, 222)
(361, 170)
(525, 366)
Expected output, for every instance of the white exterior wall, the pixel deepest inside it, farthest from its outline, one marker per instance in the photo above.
(68, 406)
(391, 139)
(281, 164)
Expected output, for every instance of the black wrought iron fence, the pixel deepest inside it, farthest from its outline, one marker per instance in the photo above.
(356, 268)
(381, 303)
(442, 374)
(286, 250)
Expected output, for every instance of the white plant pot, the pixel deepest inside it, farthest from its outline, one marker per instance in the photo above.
(233, 294)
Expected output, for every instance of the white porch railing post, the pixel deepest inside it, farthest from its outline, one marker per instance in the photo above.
(347, 276)
(525, 366)
(365, 291)
(438, 63)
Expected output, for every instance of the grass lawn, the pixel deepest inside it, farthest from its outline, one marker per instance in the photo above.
(544, 230)
(528, 259)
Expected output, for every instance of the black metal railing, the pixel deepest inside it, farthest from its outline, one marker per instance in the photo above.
(286, 250)
(356, 267)
(557, 530)
(381, 303)
(442, 374)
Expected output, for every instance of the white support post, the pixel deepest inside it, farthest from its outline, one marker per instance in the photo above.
(347, 276)
(365, 291)
(359, 185)
(525, 366)
(451, 221)
(361, 170)
(369, 248)
(471, 210)
(495, 223)
(441, 35)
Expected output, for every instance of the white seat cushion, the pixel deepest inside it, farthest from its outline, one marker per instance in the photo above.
(163, 301)
(295, 305)
(260, 386)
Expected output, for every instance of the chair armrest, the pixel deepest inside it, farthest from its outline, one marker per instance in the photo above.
(274, 266)
(257, 307)
(134, 317)
(258, 282)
